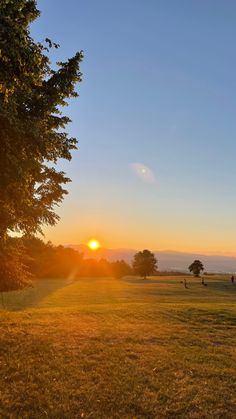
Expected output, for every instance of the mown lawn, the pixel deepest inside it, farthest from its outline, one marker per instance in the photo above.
(108, 348)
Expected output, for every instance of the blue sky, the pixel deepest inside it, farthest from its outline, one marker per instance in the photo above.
(159, 89)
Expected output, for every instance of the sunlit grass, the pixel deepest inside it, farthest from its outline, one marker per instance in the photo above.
(106, 348)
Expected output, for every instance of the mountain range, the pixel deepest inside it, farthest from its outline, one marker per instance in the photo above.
(167, 260)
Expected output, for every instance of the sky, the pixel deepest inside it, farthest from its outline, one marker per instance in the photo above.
(155, 120)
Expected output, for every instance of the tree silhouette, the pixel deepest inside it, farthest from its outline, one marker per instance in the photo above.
(196, 267)
(32, 130)
(120, 268)
(145, 263)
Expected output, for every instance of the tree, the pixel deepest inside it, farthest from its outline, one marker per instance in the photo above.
(120, 268)
(14, 273)
(196, 267)
(145, 263)
(48, 261)
(32, 125)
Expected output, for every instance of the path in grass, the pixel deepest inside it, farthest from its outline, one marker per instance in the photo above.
(106, 348)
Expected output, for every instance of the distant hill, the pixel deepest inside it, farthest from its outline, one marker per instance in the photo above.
(108, 254)
(167, 260)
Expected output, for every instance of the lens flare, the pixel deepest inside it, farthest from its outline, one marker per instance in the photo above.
(143, 172)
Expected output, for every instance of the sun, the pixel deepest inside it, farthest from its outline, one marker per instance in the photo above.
(93, 244)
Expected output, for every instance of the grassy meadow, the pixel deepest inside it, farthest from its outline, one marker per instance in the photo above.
(109, 348)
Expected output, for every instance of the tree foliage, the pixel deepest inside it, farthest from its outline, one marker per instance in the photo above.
(33, 135)
(47, 261)
(14, 272)
(32, 127)
(120, 268)
(145, 263)
(196, 267)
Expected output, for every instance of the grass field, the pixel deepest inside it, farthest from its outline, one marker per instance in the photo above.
(108, 348)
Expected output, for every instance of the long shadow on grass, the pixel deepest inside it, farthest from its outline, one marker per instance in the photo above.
(31, 297)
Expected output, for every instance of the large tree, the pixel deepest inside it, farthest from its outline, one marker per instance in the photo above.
(32, 125)
(145, 263)
(196, 267)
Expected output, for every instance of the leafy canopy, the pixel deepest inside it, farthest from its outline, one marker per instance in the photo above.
(145, 263)
(196, 267)
(32, 126)
(33, 136)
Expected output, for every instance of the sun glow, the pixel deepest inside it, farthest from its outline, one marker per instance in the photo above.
(93, 244)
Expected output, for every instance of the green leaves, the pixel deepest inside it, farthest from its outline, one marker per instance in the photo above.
(33, 133)
(31, 97)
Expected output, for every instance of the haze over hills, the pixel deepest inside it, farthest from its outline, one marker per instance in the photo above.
(167, 260)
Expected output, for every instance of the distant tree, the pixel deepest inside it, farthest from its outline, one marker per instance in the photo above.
(32, 129)
(196, 267)
(145, 263)
(48, 261)
(120, 268)
(94, 268)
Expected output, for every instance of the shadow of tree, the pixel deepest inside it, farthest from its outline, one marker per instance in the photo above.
(31, 297)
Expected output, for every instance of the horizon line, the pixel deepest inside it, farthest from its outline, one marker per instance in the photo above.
(197, 252)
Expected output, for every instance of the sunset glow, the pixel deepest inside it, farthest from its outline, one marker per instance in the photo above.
(93, 244)
(147, 178)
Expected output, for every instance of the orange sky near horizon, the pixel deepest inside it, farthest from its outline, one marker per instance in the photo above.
(155, 165)
(118, 234)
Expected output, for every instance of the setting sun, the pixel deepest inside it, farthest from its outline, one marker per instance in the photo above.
(93, 244)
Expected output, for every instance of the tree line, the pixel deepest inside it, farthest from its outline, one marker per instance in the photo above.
(44, 260)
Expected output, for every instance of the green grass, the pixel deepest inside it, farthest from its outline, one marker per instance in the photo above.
(107, 348)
